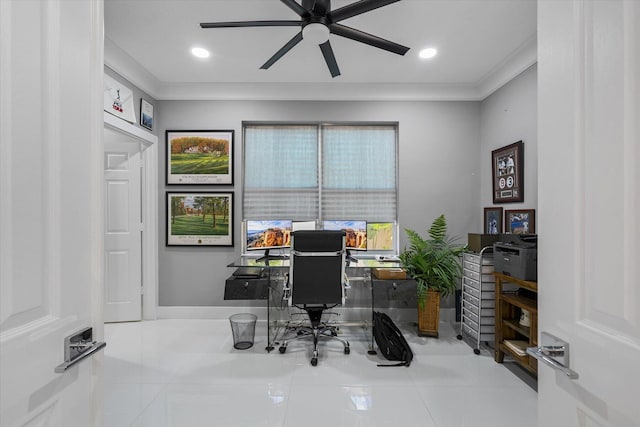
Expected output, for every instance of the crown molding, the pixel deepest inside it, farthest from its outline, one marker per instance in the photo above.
(524, 57)
(130, 69)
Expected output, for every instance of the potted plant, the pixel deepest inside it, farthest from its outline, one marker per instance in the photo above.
(434, 264)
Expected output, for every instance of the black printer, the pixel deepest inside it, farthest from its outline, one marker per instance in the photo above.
(517, 256)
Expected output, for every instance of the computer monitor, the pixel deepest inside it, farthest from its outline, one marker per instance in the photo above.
(356, 233)
(380, 236)
(268, 234)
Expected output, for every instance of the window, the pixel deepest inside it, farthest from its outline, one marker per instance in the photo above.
(318, 172)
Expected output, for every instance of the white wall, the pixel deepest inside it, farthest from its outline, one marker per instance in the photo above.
(439, 173)
(506, 116)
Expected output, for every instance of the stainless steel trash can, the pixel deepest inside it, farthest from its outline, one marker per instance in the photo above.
(243, 328)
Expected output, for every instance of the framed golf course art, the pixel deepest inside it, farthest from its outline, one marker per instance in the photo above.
(200, 219)
(200, 157)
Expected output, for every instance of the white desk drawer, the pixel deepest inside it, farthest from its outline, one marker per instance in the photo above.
(476, 276)
(486, 336)
(476, 285)
(475, 327)
(475, 258)
(485, 303)
(486, 295)
(475, 309)
(479, 320)
(486, 269)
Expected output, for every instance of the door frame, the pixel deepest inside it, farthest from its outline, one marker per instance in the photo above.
(149, 143)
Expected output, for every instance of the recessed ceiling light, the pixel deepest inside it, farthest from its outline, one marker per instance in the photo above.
(428, 53)
(200, 52)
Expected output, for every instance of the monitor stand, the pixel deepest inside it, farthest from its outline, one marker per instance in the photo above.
(351, 257)
(267, 256)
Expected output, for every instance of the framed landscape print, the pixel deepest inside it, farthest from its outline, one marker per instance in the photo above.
(522, 221)
(200, 157)
(507, 165)
(492, 220)
(199, 219)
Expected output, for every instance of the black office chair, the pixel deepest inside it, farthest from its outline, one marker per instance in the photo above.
(316, 282)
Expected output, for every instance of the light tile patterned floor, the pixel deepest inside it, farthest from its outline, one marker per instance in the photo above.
(186, 373)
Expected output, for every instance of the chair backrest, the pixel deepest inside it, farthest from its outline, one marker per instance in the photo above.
(317, 266)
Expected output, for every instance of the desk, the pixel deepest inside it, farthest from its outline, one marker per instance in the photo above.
(279, 316)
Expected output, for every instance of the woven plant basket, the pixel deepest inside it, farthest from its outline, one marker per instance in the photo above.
(429, 316)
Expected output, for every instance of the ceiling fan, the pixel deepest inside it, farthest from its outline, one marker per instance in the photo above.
(318, 21)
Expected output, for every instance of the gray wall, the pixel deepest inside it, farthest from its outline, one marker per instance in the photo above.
(507, 116)
(439, 148)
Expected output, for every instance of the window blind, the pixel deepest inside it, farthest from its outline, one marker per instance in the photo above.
(280, 172)
(308, 172)
(359, 173)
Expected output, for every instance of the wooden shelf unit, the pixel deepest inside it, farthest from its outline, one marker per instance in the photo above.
(508, 309)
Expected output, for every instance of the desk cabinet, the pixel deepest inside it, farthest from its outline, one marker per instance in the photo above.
(394, 293)
(478, 298)
(241, 289)
(509, 306)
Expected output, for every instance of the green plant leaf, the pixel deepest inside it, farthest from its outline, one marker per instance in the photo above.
(434, 263)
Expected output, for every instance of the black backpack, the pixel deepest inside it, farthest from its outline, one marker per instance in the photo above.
(390, 340)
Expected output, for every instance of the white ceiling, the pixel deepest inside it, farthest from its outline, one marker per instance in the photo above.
(482, 44)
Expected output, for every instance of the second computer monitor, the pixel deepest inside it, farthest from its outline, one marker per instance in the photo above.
(356, 232)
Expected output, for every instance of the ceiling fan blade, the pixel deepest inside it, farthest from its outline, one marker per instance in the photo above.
(366, 38)
(293, 5)
(330, 58)
(250, 24)
(357, 8)
(286, 48)
(321, 7)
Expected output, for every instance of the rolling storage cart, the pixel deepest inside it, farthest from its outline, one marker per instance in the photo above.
(478, 298)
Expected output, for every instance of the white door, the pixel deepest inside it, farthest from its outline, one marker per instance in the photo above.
(123, 228)
(589, 208)
(51, 65)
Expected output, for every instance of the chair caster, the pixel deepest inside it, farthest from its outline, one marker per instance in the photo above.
(347, 350)
(459, 337)
(314, 361)
(282, 349)
(476, 350)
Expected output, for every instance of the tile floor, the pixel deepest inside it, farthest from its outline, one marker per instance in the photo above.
(186, 373)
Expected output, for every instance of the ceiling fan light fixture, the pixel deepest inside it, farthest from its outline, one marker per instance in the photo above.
(315, 33)
(199, 52)
(428, 53)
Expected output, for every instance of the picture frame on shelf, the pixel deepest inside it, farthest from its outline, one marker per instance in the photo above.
(520, 221)
(493, 220)
(118, 99)
(507, 166)
(199, 218)
(146, 114)
(196, 157)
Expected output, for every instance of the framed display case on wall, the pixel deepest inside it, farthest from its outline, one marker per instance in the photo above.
(493, 220)
(520, 221)
(507, 165)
